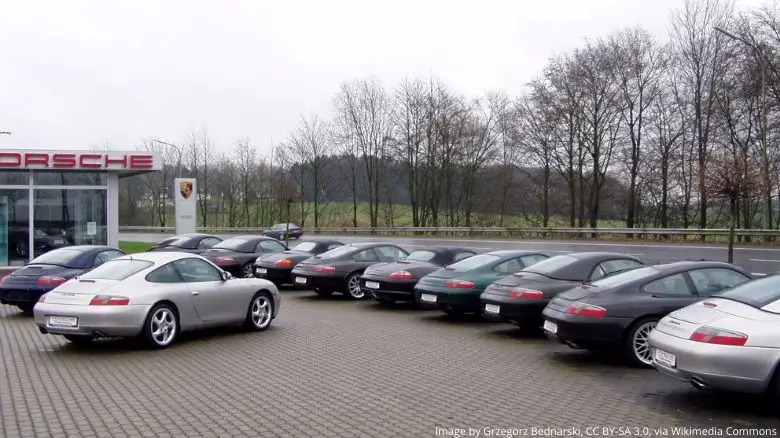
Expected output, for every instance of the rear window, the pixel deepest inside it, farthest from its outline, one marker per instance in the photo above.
(624, 277)
(305, 247)
(234, 244)
(549, 266)
(60, 257)
(473, 262)
(338, 252)
(117, 269)
(421, 256)
(180, 242)
(756, 293)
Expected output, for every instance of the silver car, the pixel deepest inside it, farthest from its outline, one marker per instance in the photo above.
(155, 296)
(729, 341)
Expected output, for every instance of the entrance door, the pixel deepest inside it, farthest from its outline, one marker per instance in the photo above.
(90, 217)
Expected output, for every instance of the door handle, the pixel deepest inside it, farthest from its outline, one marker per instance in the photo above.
(195, 292)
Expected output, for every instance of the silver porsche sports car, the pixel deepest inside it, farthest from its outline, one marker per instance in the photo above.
(155, 296)
(728, 341)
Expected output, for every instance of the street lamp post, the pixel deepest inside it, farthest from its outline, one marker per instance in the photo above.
(764, 122)
(178, 153)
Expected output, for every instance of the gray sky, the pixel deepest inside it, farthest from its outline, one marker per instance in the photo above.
(76, 73)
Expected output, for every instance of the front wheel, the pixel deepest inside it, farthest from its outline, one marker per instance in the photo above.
(637, 347)
(248, 270)
(353, 287)
(260, 312)
(161, 327)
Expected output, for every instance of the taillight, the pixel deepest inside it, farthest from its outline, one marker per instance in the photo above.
(50, 281)
(519, 292)
(711, 335)
(459, 284)
(224, 261)
(285, 263)
(583, 309)
(109, 300)
(323, 268)
(401, 275)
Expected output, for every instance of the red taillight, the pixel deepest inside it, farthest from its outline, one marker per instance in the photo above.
(401, 275)
(224, 261)
(107, 300)
(50, 281)
(710, 335)
(285, 263)
(459, 284)
(583, 309)
(323, 268)
(519, 292)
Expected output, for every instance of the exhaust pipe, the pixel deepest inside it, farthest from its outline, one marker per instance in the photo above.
(698, 383)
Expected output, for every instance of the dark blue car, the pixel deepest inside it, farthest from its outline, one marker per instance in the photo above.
(23, 287)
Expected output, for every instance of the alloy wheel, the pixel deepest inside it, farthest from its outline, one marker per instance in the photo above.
(353, 287)
(163, 326)
(248, 271)
(641, 344)
(261, 312)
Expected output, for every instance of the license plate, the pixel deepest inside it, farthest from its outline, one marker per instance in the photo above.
(550, 327)
(262, 271)
(492, 308)
(300, 280)
(665, 358)
(58, 241)
(63, 321)
(372, 285)
(428, 298)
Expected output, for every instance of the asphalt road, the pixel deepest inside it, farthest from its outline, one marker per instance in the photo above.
(757, 260)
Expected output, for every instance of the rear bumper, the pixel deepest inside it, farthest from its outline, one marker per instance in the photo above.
(447, 299)
(334, 282)
(111, 321)
(389, 290)
(519, 311)
(20, 295)
(730, 368)
(276, 275)
(585, 332)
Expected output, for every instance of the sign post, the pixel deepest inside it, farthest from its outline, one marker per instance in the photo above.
(185, 205)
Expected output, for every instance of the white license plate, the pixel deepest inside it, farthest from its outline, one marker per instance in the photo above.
(550, 327)
(261, 270)
(428, 298)
(300, 280)
(665, 358)
(492, 308)
(372, 285)
(63, 321)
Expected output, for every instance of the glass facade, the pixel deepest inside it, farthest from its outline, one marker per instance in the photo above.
(66, 208)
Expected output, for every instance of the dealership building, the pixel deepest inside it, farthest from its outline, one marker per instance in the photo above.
(50, 199)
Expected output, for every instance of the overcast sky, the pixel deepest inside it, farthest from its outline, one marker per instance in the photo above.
(77, 73)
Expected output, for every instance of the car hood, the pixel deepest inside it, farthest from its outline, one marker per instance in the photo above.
(31, 273)
(78, 292)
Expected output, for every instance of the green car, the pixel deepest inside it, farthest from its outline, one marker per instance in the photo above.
(455, 289)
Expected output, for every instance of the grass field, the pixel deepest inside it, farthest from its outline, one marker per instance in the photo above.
(134, 247)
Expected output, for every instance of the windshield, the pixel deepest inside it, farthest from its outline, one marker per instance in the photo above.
(473, 262)
(421, 256)
(338, 252)
(60, 257)
(756, 293)
(550, 265)
(305, 247)
(179, 241)
(624, 277)
(117, 269)
(233, 244)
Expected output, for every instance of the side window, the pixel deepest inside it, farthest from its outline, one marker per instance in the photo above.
(334, 246)
(197, 271)
(106, 256)
(269, 246)
(598, 272)
(208, 242)
(164, 274)
(671, 285)
(714, 280)
(367, 255)
(388, 253)
(509, 267)
(611, 266)
(462, 255)
(532, 259)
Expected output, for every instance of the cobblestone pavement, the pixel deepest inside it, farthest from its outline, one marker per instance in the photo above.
(336, 368)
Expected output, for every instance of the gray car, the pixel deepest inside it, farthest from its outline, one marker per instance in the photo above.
(728, 341)
(155, 296)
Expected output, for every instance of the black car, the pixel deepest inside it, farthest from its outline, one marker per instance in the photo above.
(194, 243)
(521, 297)
(277, 268)
(237, 255)
(24, 286)
(339, 270)
(620, 311)
(390, 282)
(19, 240)
(279, 231)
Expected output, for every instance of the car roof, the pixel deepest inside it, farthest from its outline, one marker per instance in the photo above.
(157, 257)
(511, 252)
(251, 237)
(683, 264)
(85, 248)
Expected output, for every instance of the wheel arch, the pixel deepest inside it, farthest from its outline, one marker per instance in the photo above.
(630, 327)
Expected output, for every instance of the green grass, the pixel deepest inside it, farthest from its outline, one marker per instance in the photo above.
(134, 247)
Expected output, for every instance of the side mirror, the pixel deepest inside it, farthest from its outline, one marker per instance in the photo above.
(226, 276)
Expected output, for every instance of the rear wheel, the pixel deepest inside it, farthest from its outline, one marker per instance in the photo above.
(353, 287)
(161, 327)
(637, 344)
(248, 271)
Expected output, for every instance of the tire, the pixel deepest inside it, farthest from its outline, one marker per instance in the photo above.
(248, 270)
(637, 347)
(323, 292)
(21, 249)
(27, 308)
(78, 340)
(352, 289)
(161, 327)
(260, 312)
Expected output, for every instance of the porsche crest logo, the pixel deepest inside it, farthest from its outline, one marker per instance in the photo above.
(185, 188)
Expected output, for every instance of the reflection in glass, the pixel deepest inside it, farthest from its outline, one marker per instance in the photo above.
(70, 178)
(15, 177)
(77, 216)
(14, 227)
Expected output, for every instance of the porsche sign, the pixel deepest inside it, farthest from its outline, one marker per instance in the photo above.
(77, 160)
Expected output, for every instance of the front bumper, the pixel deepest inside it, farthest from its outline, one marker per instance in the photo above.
(446, 299)
(584, 332)
(110, 321)
(725, 367)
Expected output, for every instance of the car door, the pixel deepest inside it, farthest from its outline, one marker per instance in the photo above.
(611, 267)
(211, 295)
(711, 281)
(166, 283)
(667, 294)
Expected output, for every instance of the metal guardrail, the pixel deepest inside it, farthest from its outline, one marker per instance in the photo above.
(647, 233)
